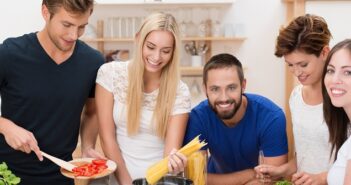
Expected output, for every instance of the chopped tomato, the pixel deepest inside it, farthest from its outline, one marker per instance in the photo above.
(90, 169)
(99, 161)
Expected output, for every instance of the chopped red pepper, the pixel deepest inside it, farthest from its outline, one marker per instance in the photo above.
(90, 169)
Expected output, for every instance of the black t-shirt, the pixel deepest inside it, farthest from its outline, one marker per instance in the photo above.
(46, 99)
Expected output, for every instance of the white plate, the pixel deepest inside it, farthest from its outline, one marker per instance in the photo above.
(111, 167)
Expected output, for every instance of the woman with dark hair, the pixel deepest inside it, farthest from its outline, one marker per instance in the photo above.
(337, 110)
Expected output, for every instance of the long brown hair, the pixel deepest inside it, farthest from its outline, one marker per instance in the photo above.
(335, 117)
(170, 77)
(307, 33)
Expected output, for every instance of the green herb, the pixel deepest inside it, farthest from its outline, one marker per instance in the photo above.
(284, 182)
(7, 177)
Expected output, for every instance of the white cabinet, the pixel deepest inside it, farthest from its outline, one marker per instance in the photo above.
(130, 2)
(119, 1)
(197, 1)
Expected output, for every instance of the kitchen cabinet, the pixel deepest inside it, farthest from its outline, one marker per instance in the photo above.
(185, 70)
(119, 1)
(159, 2)
(114, 30)
(198, 1)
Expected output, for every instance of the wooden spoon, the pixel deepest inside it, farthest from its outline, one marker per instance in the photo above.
(63, 164)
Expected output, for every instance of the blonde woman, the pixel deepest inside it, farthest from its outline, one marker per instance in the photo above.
(142, 104)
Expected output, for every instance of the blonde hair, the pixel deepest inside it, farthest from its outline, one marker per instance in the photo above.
(170, 76)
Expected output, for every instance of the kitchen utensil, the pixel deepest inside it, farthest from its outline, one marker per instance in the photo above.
(166, 180)
(193, 48)
(195, 88)
(63, 164)
(202, 49)
(188, 49)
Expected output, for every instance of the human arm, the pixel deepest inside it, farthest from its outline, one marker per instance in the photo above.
(240, 177)
(89, 130)
(19, 138)
(300, 178)
(176, 128)
(273, 140)
(275, 172)
(347, 178)
(104, 106)
(173, 141)
(243, 176)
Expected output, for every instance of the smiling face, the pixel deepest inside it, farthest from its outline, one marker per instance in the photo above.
(224, 91)
(64, 28)
(338, 79)
(306, 67)
(157, 50)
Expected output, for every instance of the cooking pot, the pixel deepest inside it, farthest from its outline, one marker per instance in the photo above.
(166, 180)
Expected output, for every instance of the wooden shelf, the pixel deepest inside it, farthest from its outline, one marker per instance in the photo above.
(288, 1)
(168, 3)
(191, 71)
(107, 39)
(195, 71)
(183, 39)
(214, 39)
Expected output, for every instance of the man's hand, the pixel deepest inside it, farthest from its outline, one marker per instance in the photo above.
(268, 173)
(254, 182)
(20, 139)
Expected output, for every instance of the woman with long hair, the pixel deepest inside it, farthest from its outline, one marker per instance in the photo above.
(142, 105)
(337, 110)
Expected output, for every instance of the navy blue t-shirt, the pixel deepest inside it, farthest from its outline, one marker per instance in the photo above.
(236, 148)
(47, 99)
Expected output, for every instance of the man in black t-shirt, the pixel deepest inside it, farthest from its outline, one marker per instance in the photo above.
(46, 79)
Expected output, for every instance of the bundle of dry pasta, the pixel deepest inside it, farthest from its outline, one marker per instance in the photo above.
(155, 172)
(196, 168)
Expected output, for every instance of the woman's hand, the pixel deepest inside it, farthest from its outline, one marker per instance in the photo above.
(177, 162)
(92, 153)
(123, 177)
(309, 179)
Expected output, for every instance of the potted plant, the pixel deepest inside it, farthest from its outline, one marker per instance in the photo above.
(283, 182)
(7, 177)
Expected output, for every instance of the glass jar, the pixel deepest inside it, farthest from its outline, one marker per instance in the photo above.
(196, 169)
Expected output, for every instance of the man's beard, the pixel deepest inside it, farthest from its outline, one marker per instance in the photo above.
(228, 114)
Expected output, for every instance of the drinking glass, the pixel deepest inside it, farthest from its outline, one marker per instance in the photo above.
(261, 162)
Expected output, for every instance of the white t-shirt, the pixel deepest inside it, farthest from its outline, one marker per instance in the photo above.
(144, 149)
(336, 173)
(311, 134)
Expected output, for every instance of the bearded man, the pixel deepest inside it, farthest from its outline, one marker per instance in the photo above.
(236, 125)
